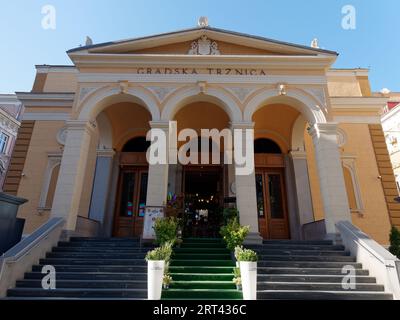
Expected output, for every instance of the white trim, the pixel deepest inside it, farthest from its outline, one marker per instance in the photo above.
(46, 116)
(51, 69)
(255, 61)
(46, 99)
(93, 103)
(348, 162)
(357, 119)
(391, 114)
(183, 97)
(186, 78)
(348, 72)
(306, 104)
(358, 102)
(52, 161)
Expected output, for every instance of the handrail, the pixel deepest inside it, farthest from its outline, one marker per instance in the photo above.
(20, 258)
(380, 262)
(24, 246)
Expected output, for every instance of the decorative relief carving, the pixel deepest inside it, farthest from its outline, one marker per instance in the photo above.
(204, 47)
(241, 92)
(161, 92)
(341, 137)
(319, 94)
(7, 124)
(62, 135)
(84, 92)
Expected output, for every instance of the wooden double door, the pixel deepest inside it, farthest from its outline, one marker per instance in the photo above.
(131, 201)
(271, 203)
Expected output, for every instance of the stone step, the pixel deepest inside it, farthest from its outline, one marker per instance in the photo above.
(92, 262)
(289, 246)
(201, 256)
(272, 252)
(199, 294)
(266, 258)
(321, 295)
(99, 239)
(301, 242)
(93, 284)
(203, 245)
(307, 271)
(317, 286)
(202, 240)
(201, 250)
(312, 278)
(79, 293)
(97, 255)
(93, 268)
(95, 244)
(202, 276)
(101, 250)
(202, 284)
(200, 269)
(227, 263)
(307, 264)
(90, 276)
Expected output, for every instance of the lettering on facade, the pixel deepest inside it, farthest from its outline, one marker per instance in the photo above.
(209, 71)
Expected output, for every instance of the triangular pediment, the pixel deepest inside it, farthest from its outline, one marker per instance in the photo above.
(203, 41)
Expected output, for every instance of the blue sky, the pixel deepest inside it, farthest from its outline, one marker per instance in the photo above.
(374, 44)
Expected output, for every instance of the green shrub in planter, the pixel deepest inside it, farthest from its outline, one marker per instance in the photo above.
(161, 253)
(166, 230)
(245, 255)
(395, 242)
(229, 214)
(234, 234)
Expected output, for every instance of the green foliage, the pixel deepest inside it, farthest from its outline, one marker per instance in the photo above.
(395, 242)
(167, 279)
(166, 230)
(245, 254)
(234, 234)
(236, 272)
(229, 214)
(161, 253)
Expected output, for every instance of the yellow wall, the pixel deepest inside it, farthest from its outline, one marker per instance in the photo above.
(375, 219)
(43, 141)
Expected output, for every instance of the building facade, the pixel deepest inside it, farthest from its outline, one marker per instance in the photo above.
(10, 114)
(391, 127)
(319, 149)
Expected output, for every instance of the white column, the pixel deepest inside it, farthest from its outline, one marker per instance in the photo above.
(157, 186)
(72, 172)
(246, 199)
(302, 183)
(331, 177)
(101, 184)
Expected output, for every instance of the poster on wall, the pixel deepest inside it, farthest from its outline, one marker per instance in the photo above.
(150, 216)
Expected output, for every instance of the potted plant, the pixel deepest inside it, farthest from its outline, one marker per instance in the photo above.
(166, 230)
(234, 234)
(248, 270)
(237, 280)
(167, 279)
(157, 262)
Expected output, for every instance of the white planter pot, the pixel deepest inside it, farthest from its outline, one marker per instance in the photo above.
(248, 272)
(155, 274)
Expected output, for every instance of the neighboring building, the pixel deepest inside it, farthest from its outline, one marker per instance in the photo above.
(391, 128)
(319, 146)
(10, 113)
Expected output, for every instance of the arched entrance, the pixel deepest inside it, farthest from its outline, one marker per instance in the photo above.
(270, 190)
(202, 186)
(128, 123)
(132, 189)
(273, 129)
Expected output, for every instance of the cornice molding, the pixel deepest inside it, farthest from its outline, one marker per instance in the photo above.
(251, 61)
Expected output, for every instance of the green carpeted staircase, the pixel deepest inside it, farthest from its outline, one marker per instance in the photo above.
(202, 268)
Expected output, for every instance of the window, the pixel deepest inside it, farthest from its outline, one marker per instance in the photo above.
(3, 142)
